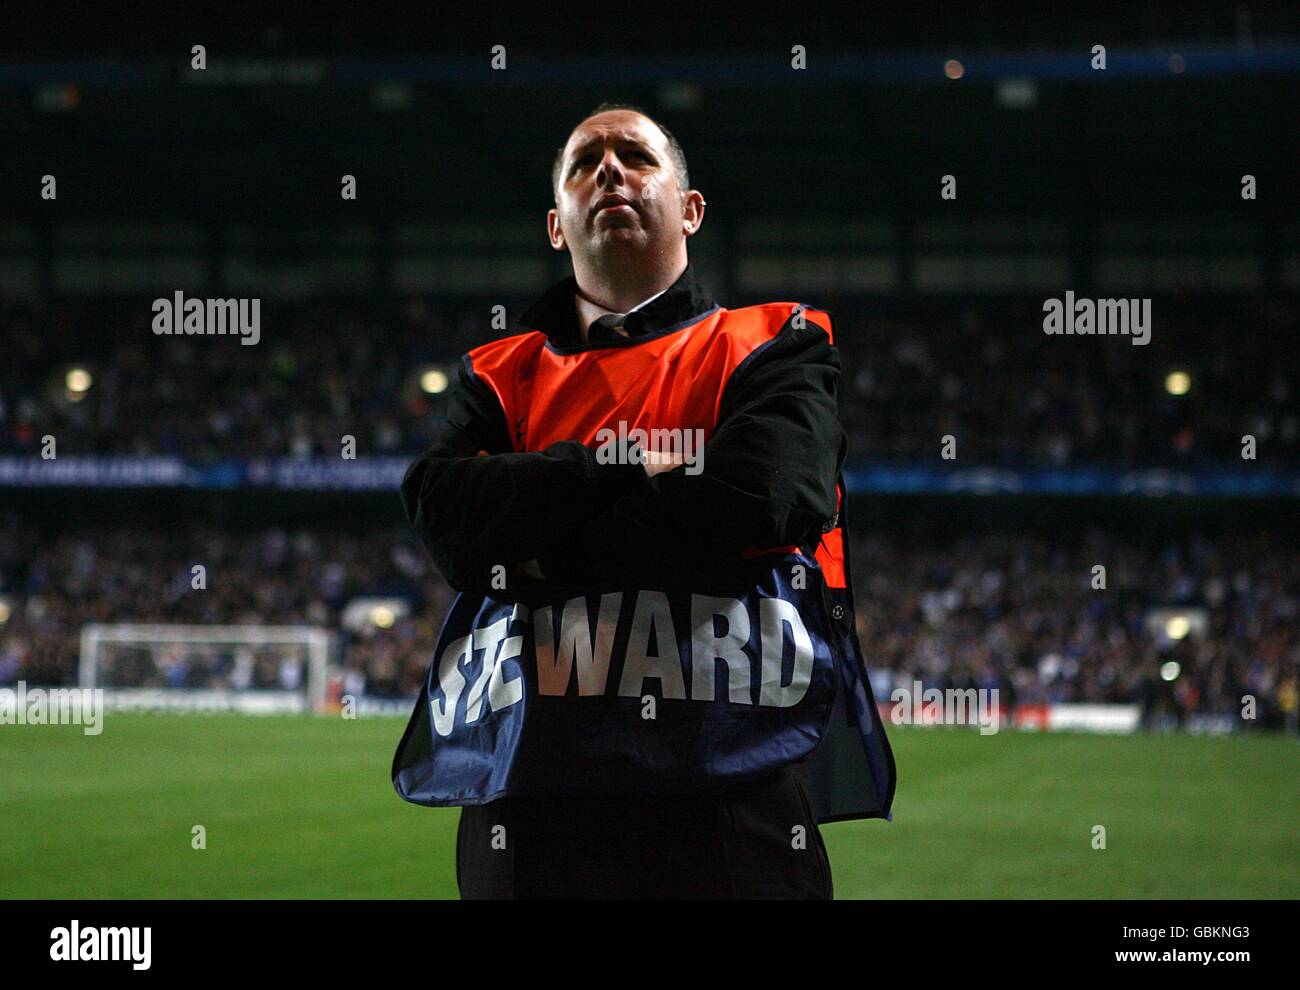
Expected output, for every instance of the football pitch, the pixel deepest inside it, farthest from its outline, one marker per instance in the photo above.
(303, 807)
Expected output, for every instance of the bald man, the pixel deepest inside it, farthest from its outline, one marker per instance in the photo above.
(659, 753)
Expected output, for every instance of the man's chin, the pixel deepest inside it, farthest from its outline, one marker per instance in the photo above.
(629, 237)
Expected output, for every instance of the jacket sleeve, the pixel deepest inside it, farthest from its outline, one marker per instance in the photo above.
(768, 479)
(473, 513)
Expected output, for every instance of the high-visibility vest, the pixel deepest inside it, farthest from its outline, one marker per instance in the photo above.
(649, 690)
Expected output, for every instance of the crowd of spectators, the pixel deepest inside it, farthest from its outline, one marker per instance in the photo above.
(1015, 611)
(1023, 613)
(981, 371)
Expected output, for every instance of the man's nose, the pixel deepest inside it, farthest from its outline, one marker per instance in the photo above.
(610, 172)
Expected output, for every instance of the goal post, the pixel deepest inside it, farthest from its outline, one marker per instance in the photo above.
(252, 668)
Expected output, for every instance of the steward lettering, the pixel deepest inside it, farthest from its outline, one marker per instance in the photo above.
(720, 634)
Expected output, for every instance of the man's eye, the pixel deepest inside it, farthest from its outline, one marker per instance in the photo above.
(587, 160)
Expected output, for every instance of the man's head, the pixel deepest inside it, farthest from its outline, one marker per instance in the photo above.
(622, 193)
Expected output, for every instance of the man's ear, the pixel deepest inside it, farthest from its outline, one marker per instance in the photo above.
(692, 211)
(553, 230)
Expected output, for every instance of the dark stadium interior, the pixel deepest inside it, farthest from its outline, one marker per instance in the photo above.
(1052, 709)
(822, 188)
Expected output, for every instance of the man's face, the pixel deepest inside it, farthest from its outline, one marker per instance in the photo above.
(618, 188)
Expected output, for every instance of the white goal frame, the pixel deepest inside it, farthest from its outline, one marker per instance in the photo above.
(318, 641)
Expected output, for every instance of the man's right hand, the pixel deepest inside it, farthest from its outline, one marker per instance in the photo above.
(656, 462)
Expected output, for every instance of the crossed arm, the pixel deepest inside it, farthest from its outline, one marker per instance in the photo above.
(768, 479)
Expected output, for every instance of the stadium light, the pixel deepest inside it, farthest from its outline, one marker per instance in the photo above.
(1171, 624)
(1178, 383)
(433, 381)
(78, 381)
(1170, 670)
(366, 614)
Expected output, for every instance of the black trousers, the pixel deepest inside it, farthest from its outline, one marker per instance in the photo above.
(759, 840)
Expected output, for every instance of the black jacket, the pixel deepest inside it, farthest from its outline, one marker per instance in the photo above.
(768, 479)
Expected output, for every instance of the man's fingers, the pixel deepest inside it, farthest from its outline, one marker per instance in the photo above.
(659, 461)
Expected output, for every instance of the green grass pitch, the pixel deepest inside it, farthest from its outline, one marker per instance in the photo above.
(303, 807)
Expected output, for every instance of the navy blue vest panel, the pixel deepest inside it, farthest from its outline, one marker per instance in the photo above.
(647, 691)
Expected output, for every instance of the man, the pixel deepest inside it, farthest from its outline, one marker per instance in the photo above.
(648, 644)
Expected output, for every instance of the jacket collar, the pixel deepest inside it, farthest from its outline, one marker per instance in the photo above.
(555, 314)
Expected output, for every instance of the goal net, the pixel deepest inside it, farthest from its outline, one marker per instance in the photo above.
(246, 668)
